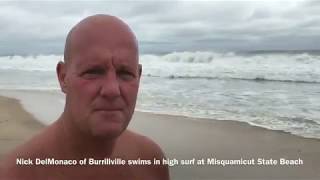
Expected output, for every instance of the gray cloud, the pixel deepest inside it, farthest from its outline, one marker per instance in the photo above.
(34, 27)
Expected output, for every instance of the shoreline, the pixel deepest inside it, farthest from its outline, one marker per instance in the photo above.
(210, 120)
(47, 113)
(183, 137)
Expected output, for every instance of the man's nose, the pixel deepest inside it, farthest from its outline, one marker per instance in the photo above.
(110, 86)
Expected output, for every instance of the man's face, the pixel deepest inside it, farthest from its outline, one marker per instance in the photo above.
(102, 81)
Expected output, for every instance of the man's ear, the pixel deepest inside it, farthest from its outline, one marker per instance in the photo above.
(61, 70)
(140, 70)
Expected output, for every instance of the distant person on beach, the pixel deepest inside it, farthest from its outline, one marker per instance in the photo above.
(100, 77)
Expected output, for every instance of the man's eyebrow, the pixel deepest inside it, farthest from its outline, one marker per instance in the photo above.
(125, 67)
(88, 65)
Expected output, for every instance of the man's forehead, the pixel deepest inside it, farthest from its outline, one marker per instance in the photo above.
(112, 23)
(101, 31)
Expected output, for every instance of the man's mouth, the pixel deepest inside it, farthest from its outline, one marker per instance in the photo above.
(108, 109)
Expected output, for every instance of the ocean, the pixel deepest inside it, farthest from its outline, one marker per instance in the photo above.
(278, 90)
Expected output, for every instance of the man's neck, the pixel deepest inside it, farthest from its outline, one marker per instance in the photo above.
(77, 144)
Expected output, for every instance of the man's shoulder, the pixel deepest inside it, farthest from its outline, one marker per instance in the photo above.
(21, 162)
(142, 147)
(17, 163)
(146, 146)
(23, 154)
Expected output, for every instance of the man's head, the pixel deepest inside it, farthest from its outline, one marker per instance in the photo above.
(100, 76)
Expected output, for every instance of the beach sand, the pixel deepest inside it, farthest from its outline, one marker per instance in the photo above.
(186, 138)
(16, 125)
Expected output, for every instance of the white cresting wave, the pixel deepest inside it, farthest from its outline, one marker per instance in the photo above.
(258, 67)
(303, 67)
(30, 63)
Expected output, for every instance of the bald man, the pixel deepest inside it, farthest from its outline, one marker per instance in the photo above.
(100, 77)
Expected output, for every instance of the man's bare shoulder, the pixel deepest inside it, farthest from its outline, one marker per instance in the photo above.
(10, 166)
(145, 146)
(146, 149)
(19, 160)
(28, 149)
(34, 147)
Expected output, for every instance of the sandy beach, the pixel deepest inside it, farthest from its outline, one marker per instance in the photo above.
(187, 138)
(184, 138)
(16, 125)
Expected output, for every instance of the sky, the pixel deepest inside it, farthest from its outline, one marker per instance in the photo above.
(40, 27)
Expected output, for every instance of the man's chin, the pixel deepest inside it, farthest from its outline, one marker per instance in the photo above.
(107, 125)
(107, 133)
(107, 129)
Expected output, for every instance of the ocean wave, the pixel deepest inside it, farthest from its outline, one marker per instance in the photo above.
(297, 68)
(284, 67)
(207, 57)
(301, 120)
(30, 63)
(257, 79)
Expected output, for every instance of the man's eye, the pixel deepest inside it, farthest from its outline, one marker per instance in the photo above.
(126, 75)
(94, 71)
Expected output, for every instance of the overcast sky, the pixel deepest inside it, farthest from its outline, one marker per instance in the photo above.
(34, 27)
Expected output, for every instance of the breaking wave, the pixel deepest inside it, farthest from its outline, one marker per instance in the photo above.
(300, 67)
(283, 67)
